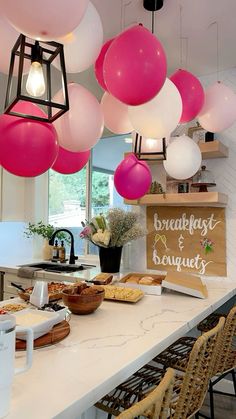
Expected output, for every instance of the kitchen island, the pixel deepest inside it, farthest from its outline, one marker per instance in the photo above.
(106, 347)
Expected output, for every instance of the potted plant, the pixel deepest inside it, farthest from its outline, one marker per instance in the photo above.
(45, 231)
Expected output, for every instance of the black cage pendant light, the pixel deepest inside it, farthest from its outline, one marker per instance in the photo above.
(34, 84)
(141, 148)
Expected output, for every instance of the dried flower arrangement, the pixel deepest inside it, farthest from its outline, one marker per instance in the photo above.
(113, 229)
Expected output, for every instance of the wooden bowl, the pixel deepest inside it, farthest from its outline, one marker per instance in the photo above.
(82, 304)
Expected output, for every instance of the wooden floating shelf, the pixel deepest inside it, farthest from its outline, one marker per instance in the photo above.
(210, 150)
(213, 150)
(196, 199)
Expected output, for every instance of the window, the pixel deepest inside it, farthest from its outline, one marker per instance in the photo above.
(74, 198)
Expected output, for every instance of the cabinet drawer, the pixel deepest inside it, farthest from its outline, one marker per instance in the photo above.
(23, 282)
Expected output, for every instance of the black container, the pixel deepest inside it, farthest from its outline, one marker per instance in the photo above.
(183, 187)
(209, 136)
(110, 258)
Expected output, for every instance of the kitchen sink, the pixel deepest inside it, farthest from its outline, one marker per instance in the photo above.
(58, 267)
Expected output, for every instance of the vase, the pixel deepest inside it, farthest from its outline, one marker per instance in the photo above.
(110, 258)
(47, 250)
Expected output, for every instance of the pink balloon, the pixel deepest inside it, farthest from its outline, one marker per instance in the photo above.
(98, 67)
(219, 110)
(192, 94)
(81, 127)
(44, 20)
(132, 178)
(135, 66)
(116, 117)
(27, 147)
(68, 162)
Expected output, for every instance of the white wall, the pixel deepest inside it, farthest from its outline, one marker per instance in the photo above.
(224, 171)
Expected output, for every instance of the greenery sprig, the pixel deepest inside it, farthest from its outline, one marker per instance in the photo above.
(44, 230)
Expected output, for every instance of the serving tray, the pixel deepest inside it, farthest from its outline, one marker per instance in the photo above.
(55, 335)
(122, 294)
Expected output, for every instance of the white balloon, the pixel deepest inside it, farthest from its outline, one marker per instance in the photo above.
(83, 45)
(44, 19)
(159, 117)
(183, 158)
(116, 117)
(8, 37)
(219, 110)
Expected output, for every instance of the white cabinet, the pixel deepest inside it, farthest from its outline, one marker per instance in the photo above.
(9, 290)
(23, 199)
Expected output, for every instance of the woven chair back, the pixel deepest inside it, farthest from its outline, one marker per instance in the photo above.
(227, 355)
(156, 404)
(194, 384)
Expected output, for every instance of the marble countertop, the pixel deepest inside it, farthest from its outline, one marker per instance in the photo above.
(106, 347)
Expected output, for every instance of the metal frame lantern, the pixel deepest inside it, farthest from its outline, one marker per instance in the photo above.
(44, 53)
(148, 155)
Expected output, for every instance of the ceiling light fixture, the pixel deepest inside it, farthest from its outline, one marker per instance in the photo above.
(38, 88)
(150, 149)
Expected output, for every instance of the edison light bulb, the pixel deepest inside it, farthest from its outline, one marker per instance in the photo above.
(35, 84)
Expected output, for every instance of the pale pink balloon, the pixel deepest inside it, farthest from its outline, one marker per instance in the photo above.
(27, 147)
(44, 20)
(135, 66)
(115, 113)
(219, 110)
(87, 38)
(8, 37)
(191, 92)
(98, 67)
(81, 127)
(132, 178)
(68, 162)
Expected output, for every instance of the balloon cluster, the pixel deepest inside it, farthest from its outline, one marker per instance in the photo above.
(131, 68)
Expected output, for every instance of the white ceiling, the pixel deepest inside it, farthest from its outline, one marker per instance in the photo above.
(197, 15)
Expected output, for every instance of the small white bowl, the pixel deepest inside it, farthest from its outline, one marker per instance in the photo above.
(47, 320)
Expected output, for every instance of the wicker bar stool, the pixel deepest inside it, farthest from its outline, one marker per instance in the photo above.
(177, 355)
(189, 389)
(156, 404)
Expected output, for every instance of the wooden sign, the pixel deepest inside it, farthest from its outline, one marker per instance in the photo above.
(186, 239)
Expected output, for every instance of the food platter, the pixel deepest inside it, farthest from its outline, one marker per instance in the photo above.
(54, 291)
(128, 295)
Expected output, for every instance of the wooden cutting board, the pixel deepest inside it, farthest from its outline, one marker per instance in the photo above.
(56, 334)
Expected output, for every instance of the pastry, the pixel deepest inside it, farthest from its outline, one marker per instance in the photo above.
(133, 279)
(146, 280)
(91, 290)
(102, 279)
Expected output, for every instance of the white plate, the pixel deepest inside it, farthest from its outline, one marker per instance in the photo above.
(47, 320)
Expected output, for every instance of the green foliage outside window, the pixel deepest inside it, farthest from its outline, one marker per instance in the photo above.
(73, 187)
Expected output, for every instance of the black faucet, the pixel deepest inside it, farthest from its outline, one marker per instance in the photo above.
(72, 250)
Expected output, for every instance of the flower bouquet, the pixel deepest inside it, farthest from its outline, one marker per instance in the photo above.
(111, 232)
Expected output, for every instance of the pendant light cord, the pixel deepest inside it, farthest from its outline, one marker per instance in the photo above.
(180, 36)
(217, 49)
(153, 22)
